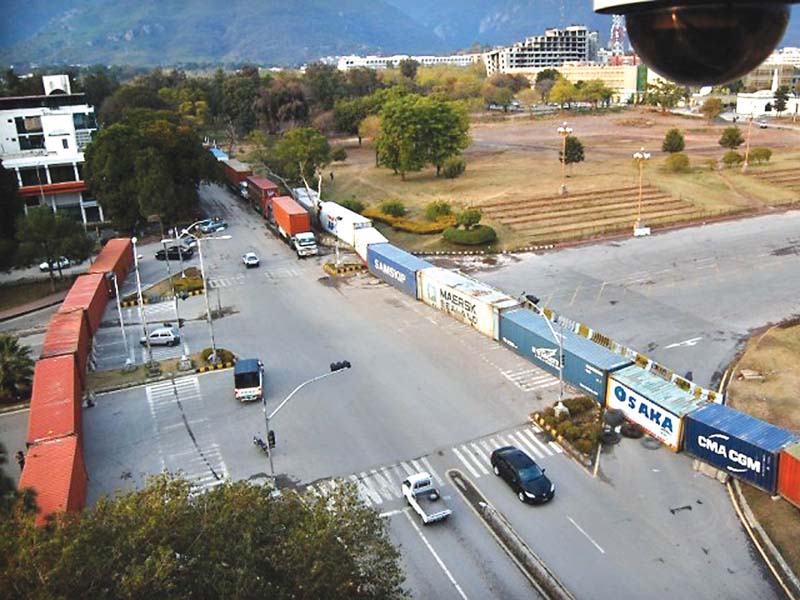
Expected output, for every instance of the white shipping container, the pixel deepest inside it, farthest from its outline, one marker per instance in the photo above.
(464, 299)
(365, 237)
(341, 222)
(661, 423)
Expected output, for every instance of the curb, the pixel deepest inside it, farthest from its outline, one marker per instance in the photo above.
(141, 382)
(486, 252)
(218, 367)
(344, 269)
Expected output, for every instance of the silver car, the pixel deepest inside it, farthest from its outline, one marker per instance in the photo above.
(162, 336)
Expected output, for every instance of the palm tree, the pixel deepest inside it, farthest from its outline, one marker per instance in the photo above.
(16, 369)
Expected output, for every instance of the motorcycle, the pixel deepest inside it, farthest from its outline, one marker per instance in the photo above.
(257, 441)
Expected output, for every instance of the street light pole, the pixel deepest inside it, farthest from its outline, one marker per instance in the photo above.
(164, 242)
(558, 338)
(564, 131)
(336, 232)
(640, 157)
(335, 368)
(746, 162)
(112, 275)
(142, 317)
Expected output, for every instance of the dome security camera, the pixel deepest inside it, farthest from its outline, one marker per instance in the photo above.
(702, 42)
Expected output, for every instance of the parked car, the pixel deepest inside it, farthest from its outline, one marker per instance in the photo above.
(523, 475)
(162, 336)
(212, 225)
(188, 241)
(61, 263)
(174, 253)
(250, 260)
(762, 125)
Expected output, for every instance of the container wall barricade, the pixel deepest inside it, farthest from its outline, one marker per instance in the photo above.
(586, 365)
(116, 256)
(56, 471)
(789, 474)
(734, 442)
(396, 267)
(464, 299)
(366, 237)
(90, 293)
(55, 400)
(68, 334)
(341, 222)
(655, 405)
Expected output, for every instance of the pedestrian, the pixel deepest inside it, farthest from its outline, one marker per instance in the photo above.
(331, 175)
(21, 460)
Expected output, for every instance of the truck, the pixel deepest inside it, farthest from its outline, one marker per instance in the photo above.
(294, 225)
(248, 380)
(424, 498)
(260, 192)
(236, 174)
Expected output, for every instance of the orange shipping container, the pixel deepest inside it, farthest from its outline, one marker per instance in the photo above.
(55, 400)
(56, 472)
(789, 474)
(116, 256)
(89, 292)
(290, 216)
(68, 334)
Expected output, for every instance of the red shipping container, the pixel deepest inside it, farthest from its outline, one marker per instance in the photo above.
(55, 400)
(236, 172)
(68, 334)
(260, 189)
(789, 474)
(116, 256)
(56, 472)
(89, 292)
(290, 216)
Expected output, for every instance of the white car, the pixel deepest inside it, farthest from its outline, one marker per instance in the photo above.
(61, 263)
(762, 125)
(162, 336)
(250, 260)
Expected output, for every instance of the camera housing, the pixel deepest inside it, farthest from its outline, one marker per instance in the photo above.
(702, 42)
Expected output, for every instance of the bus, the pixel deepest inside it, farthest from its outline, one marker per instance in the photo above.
(248, 380)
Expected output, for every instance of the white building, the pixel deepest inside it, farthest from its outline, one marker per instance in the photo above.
(42, 139)
(762, 104)
(391, 62)
(556, 47)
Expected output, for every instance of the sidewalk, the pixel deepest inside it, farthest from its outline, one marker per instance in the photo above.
(29, 307)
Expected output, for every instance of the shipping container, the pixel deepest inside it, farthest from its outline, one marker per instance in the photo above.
(236, 173)
(290, 217)
(586, 365)
(68, 334)
(341, 222)
(116, 256)
(396, 267)
(260, 192)
(654, 404)
(55, 400)
(55, 470)
(218, 153)
(736, 443)
(308, 199)
(364, 238)
(789, 474)
(464, 299)
(90, 293)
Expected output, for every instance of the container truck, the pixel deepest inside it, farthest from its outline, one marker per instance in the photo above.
(236, 174)
(260, 192)
(294, 225)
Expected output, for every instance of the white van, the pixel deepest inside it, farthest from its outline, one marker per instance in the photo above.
(163, 336)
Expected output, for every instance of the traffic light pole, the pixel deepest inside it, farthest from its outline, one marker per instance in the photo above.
(267, 416)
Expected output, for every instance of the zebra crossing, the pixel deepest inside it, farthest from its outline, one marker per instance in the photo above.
(186, 444)
(529, 378)
(475, 455)
(277, 274)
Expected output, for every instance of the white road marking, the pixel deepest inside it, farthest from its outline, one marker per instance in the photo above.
(685, 343)
(406, 468)
(480, 453)
(538, 442)
(436, 556)
(468, 453)
(588, 537)
(373, 495)
(526, 444)
(385, 485)
(469, 466)
(432, 471)
(392, 513)
(555, 446)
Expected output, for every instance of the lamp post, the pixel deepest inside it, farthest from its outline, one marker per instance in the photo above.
(640, 157)
(142, 317)
(564, 131)
(213, 358)
(746, 162)
(111, 275)
(164, 243)
(532, 302)
(335, 368)
(336, 233)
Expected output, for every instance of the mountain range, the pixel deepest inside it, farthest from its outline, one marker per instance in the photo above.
(275, 32)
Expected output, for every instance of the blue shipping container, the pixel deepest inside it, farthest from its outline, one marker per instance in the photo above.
(586, 365)
(396, 267)
(737, 443)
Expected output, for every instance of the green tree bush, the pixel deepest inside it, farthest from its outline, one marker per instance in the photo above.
(574, 152)
(300, 154)
(760, 155)
(731, 138)
(477, 236)
(454, 167)
(677, 163)
(338, 154)
(711, 109)
(352, 204)
(673, 141)
(469, 218)
(395, 208)
(732, 158)
(437, 209)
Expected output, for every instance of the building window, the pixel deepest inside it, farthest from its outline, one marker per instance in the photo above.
(33, 176)
(65, 143)
(31, 142)
(62, 173)
(84, 121)
(29, 124)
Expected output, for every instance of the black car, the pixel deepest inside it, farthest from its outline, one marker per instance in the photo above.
(174, 253)
(522, 473)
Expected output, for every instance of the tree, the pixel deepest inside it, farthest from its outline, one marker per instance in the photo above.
(731, 138)
(408, 68)
(665, 94)
(760, 155)
(126, 98)
(238, 95)
(781, 98)
(235, 541)
(596, 92)
(469, 218)
(11, 208)
(673, 141)
(301, 154)
(448, 130)
(283, 103)
(677, 162)
(16, 370)
(528, 97)
(325, 83)
(732, 158)
(574, 152)
(362, 82)
(498, 96)
(98, 84)
(548, 75)
(563, 92)
(348, 114)
(45, 236)
(711, 109)
(544, 87)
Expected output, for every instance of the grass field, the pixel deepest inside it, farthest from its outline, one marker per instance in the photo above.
(22, 292)
(775, 399)
(515, 163)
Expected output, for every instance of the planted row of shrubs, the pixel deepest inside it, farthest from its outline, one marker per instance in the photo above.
(679, 161)
(582, 428)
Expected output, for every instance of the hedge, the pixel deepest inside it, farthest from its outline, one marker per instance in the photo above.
(223, 355)
(477, 236)
(409, 225)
